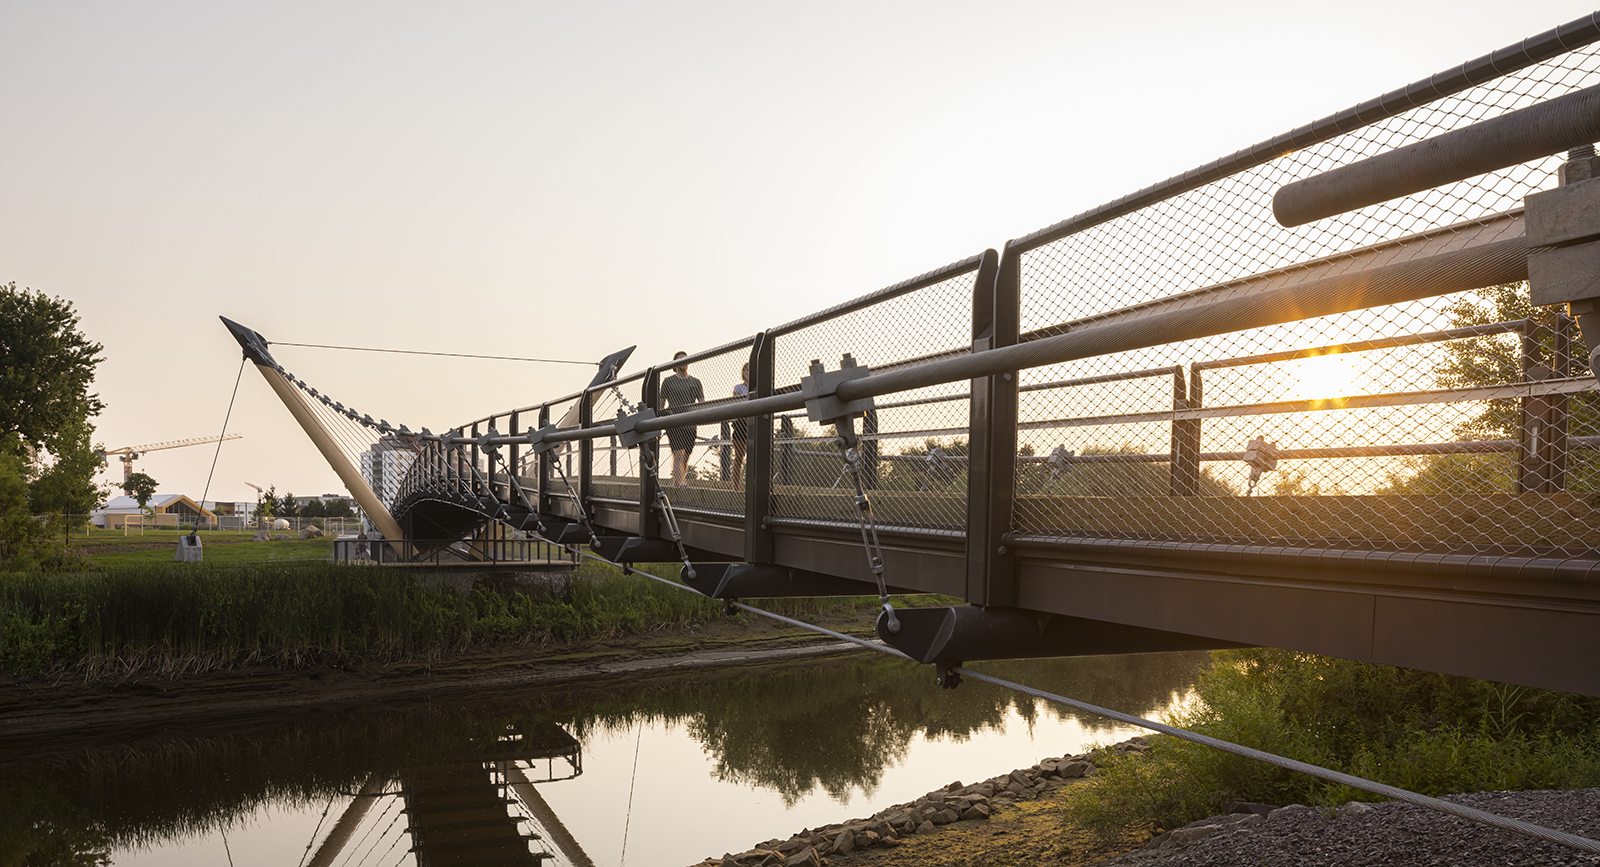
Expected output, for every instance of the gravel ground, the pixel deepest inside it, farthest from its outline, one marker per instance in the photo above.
(1382, 834)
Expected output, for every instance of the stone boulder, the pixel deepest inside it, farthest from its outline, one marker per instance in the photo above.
(311, 531)
(260, 536)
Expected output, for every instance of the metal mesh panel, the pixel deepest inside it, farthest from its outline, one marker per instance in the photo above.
(616, 469)
(914, 444)
(565, 456)
(1379, 441)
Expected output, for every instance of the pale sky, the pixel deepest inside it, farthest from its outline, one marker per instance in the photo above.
(562, 180)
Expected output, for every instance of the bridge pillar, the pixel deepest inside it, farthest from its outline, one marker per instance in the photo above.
(992, 434)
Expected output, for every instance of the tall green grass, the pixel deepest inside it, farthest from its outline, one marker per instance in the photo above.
(177, 618)
(1430, 733)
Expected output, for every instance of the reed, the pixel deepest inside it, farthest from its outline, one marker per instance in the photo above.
(176, 619)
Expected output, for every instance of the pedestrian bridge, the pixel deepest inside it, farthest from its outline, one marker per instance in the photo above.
(1332, 393)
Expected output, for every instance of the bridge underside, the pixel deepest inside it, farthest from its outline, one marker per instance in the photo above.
(1375, 599)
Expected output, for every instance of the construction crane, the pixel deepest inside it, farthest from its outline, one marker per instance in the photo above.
(129, 454)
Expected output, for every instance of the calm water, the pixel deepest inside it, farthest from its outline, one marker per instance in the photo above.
(647, 774)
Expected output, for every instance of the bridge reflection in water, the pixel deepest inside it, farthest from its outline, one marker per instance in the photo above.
(770, 750)
(483, 811)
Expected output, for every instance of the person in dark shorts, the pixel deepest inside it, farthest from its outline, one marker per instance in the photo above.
(740, 429)
(679, 392)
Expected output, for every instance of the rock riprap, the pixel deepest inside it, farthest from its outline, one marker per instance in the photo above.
(927, 814)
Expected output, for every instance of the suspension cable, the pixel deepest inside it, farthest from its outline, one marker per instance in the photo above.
(446, 354)
(225, 417)
(1459, 810)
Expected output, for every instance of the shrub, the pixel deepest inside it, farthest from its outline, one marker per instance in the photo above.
(1431, 733)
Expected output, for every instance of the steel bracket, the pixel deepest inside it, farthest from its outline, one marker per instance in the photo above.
(821, 391)
(536, 439)
(627, 428)
(572, 534)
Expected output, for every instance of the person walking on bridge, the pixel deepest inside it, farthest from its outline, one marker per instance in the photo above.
(679, 392)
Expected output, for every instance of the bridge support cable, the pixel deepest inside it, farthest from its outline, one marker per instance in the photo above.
(820, 391)
(950, 675)
(664, 505)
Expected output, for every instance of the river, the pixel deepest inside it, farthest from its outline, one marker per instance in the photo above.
(648, 773)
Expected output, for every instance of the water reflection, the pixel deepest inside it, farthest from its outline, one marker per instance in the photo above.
(835, 727)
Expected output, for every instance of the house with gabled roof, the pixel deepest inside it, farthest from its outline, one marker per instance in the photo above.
(170, 510)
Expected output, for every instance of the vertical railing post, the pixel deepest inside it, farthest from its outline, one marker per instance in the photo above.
(488, 468)
(513, 468)
(1542, 420)
(786, 452)
(586, 455)
(1185, 459)
(1560, 417)
(650, 456)
(1531, 412)
(869, 450)
(472, 477)
(545, 467)
(724, 456)
(758, 458)
(992, 434)
(613, 452)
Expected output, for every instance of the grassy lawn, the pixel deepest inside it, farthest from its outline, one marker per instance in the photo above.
(100, 538)
(233, 552)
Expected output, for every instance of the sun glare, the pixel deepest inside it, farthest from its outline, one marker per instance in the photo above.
(1323, 376)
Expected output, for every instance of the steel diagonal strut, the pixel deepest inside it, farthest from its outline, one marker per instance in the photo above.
(255, 350)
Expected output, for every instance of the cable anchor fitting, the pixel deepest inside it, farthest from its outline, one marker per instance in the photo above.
(823, 405)
(664, 505)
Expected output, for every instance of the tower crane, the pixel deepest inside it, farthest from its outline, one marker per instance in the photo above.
(129, 454)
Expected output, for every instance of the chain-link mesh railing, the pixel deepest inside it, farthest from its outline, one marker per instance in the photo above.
(914, 446)
(1364, 433)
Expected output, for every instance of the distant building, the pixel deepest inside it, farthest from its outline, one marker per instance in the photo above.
(384, 467)
(300, 502)
(224, 508)
(170, 510)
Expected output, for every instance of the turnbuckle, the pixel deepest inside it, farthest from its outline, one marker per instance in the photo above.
(849, 445)
(664, 504)
(577, 504)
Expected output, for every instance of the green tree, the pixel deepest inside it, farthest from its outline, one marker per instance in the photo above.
(287, 507)
(337, 509)
(1498, 360)
(67, 488)
(270, 504)
(140, 487)
(46, 367)
(21, 534)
